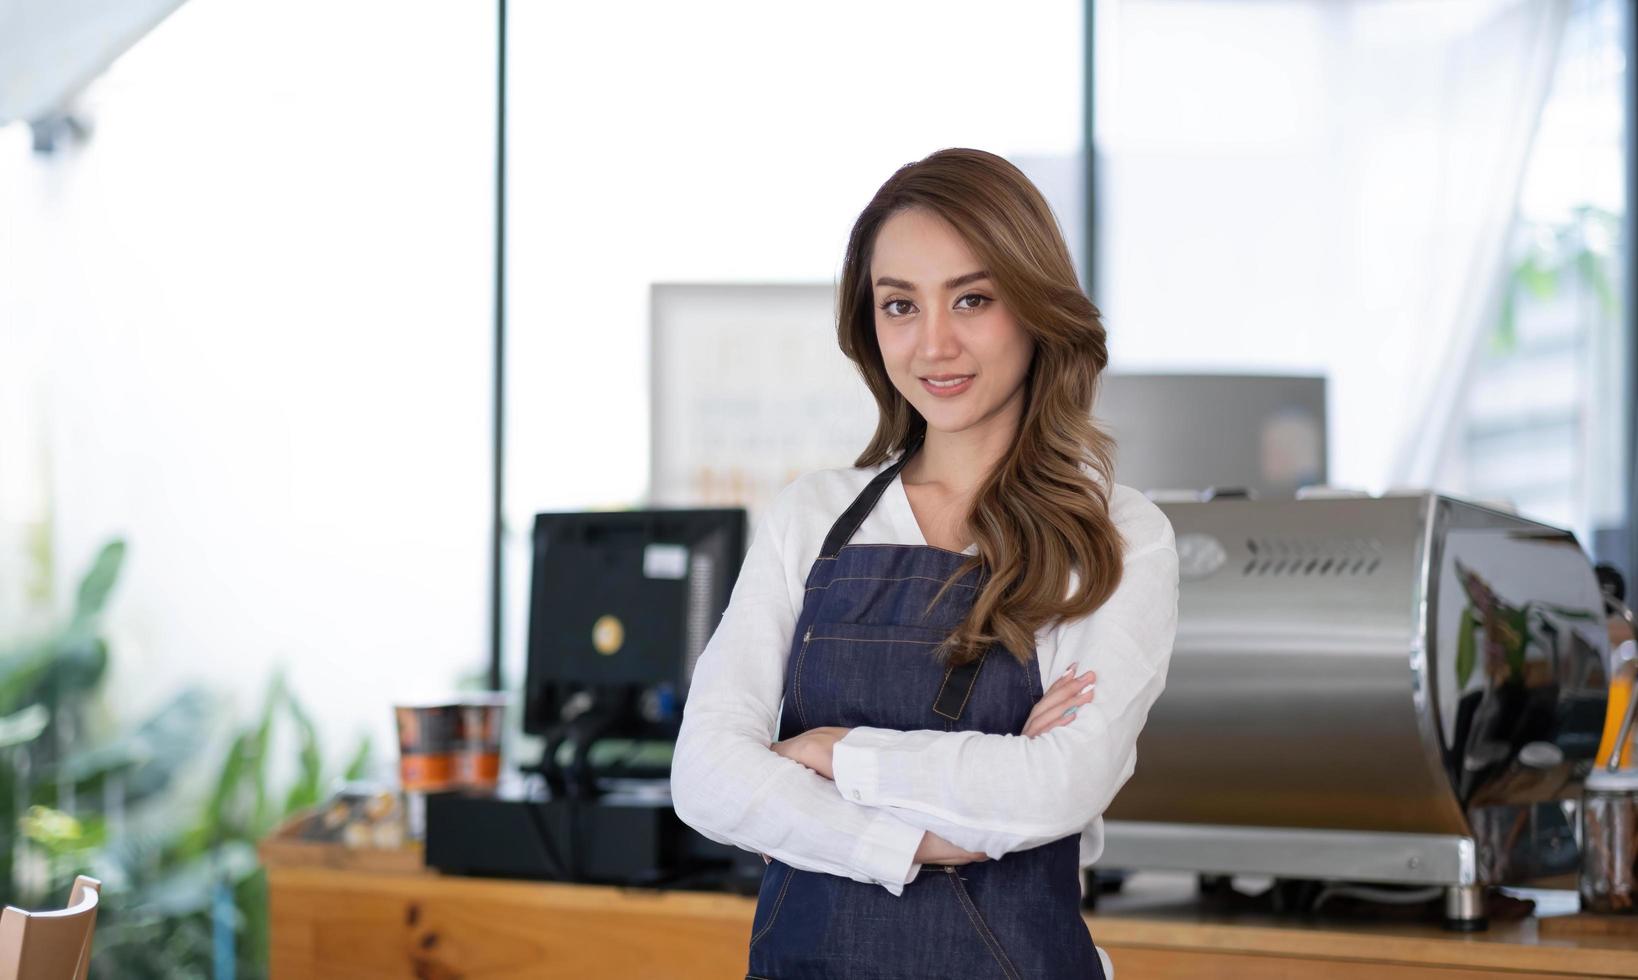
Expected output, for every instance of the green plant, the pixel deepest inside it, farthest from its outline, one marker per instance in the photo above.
(183, 894)
(44, 683)
(1559, 256)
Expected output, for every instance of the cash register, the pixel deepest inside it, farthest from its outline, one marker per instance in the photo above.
(621, 607)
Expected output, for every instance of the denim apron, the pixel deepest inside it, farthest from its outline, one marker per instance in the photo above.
(862, 655)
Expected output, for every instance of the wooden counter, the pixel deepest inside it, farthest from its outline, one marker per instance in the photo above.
(344, 923)
(1161, 930)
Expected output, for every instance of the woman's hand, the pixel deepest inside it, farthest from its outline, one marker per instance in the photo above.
(1062, 699)
(813, 748)
(936, 850)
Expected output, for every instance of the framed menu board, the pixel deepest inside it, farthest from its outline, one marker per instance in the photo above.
(748, 391)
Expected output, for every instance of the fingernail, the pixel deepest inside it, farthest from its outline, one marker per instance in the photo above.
(1071, 669)
(1088, 688)
(1070, 712)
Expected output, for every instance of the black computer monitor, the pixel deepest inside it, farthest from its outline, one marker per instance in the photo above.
(621, 606)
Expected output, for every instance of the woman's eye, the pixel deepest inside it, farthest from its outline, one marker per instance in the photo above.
(977, 296)
(889, 307)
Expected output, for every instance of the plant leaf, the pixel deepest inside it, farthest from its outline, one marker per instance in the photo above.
(23, 726)
(152, 754)
(304, 792)
(21, 673)
(81, 658)
(217, 817)
(1537, 277)
(99, 581)
(260, 818)
(1515, 636)
(1466, 648)
(360, 762)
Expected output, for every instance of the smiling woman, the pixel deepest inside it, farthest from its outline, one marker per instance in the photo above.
(904, 677)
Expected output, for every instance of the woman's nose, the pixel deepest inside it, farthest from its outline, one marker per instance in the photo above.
(938, 340)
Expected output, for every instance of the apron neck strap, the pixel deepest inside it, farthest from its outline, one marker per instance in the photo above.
(848, 524)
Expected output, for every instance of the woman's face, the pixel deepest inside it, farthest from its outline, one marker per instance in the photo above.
(948, 343)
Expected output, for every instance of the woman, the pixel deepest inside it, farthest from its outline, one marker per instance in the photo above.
(918, 637)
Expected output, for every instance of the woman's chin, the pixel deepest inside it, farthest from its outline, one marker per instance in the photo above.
(946, 421)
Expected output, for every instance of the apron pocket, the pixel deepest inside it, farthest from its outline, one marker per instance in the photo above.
(859, 674)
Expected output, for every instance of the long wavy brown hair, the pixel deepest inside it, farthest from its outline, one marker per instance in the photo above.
(1041, 514)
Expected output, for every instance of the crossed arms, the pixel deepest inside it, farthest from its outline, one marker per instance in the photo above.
(985, 793)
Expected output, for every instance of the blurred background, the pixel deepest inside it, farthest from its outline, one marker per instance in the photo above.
(290, 324)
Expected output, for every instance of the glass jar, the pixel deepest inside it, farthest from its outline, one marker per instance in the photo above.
(1609, 841)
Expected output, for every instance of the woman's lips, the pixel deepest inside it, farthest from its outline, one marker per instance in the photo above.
(947, 386)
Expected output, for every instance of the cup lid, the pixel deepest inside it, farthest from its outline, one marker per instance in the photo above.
(483, 698)
(1621, 780)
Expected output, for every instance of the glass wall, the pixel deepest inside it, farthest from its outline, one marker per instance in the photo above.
(1418, 201)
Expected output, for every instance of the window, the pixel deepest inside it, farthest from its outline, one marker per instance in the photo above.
(1417, 200)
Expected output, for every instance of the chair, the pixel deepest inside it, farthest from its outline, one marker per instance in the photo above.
(50, 945)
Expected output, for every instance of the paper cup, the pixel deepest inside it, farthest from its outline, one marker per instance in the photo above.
(478, 740)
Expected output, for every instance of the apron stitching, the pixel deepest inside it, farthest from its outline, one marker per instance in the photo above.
(904, 578)
(863, 578)
(1032, 680)
(974, 684)
(970, 688)
(801, 714)
(777, 903)
(866, 639)
(929, 547)
(979, 926)
(942, 685)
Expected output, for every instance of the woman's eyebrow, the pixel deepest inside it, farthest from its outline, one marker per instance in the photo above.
(955, 283)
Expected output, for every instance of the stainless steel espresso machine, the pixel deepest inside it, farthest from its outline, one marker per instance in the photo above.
(1401, 689)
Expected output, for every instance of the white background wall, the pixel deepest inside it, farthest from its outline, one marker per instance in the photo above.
(258, 303)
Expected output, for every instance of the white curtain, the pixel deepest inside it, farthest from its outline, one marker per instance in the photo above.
(1318, 185)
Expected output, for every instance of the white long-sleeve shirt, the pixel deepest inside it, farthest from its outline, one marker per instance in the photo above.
(989, 793)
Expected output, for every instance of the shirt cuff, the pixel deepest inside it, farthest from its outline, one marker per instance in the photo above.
(854, 768)
(886, 852)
